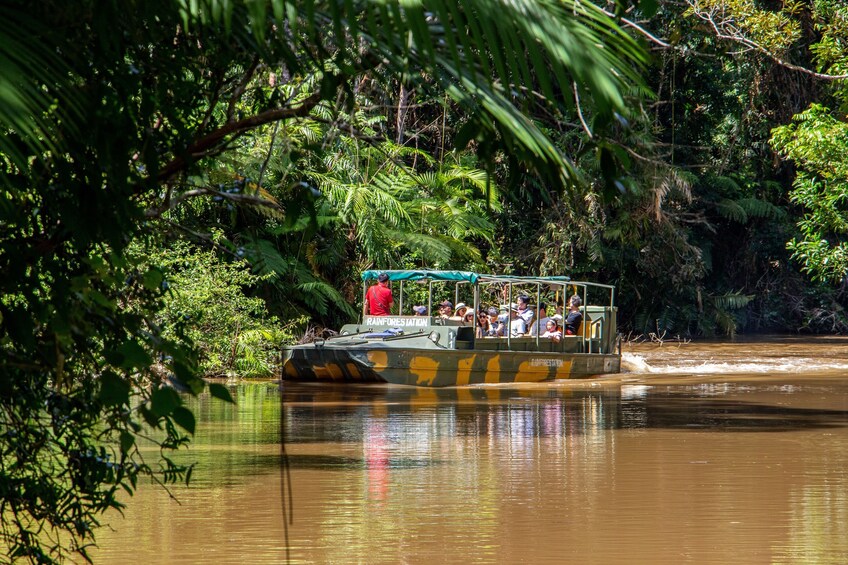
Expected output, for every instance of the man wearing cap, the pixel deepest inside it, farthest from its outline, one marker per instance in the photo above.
(379, 297)
(419, 310)
(445, 309)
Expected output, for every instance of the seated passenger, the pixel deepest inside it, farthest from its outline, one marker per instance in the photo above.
(495, 327)
(538, 327)
(445, 309)
(552, 331)
(482, 323)
(459, 313)
(524, 310)
(574, 317)
(419, 310)
(517, 327)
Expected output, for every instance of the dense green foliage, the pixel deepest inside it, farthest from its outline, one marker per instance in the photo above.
(210, 297)
(127, 128)
(185, 185)
(818, 143)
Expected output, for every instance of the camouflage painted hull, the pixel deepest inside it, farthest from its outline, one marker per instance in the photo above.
(434, 368)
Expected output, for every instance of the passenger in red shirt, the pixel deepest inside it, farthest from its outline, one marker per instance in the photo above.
(379, 297)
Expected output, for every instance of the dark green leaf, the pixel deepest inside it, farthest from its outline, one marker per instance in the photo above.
(648, 7)
(184, 418)
(465, 134)
(149, 417)
(164, 400)
(152, 279)
(220, 391)
(134, 355)
(127, 441)
(114, 391)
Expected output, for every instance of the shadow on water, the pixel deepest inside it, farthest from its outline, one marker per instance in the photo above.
(674, 412)
(319, 462)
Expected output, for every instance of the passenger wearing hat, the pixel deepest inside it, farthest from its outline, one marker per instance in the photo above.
(419, 310)
(445, 309)
(517, 327)
(379, 297)
(496, 327)
(459, 313)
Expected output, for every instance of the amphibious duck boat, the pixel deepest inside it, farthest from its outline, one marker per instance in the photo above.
(448, 351)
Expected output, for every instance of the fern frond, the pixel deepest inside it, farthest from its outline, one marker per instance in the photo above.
(732, 210)
(266, 259)
(732, 301)
(756, 208)
(321, 296)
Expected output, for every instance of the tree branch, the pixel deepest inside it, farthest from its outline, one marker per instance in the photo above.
(202, 146)
(580, 112)
(734, 36)
(240, 88)
(204, 191)
(653, 38)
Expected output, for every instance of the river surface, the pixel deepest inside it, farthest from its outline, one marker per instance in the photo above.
(699, 453)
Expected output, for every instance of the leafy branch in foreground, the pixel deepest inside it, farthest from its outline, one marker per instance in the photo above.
(107, 115)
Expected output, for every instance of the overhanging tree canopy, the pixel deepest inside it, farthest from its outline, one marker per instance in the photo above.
(107, 111)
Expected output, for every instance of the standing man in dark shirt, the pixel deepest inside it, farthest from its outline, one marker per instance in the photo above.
(379, 297)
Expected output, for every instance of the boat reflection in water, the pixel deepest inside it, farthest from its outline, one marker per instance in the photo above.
(371, 413)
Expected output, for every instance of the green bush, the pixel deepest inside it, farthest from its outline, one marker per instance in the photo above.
(232, 329)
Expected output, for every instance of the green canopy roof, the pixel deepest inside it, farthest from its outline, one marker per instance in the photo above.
(461, 276)
(456, 276)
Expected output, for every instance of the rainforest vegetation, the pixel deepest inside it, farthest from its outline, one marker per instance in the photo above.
(185, 185)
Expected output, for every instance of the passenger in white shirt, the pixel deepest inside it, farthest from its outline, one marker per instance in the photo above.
(517, 327)
(539, 325)
(552, 331)
(524, 310)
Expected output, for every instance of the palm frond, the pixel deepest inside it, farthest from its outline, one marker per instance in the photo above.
(731, 210)
(322, 297)
(757, 208)
(474, 49)
(30, 74)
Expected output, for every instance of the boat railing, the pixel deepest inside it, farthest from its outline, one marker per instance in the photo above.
(402, 336)
(343, 335)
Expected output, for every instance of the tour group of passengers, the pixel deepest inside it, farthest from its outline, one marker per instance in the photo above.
(517, 321)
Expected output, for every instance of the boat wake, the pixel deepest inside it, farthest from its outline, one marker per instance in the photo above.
(697, 365)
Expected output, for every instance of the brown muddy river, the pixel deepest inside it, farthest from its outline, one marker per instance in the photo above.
(700, 453)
